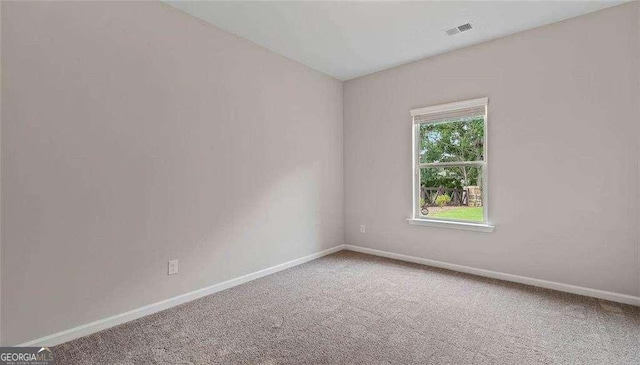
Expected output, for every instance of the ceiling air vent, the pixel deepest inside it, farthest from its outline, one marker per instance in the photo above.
(458, 29)
(464, 27)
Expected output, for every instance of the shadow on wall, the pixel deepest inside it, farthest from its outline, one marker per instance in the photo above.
(283, 221)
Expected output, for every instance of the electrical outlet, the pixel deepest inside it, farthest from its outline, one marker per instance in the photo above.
(173, 267)
(362, 228)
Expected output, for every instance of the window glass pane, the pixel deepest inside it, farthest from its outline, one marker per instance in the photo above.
(453, 193)
(454, 141)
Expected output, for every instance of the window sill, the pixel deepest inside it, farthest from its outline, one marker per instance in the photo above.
(480, 227)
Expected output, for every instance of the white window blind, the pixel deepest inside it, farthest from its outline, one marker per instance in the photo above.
(451, 111)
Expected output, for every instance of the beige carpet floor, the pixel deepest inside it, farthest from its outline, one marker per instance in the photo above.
(350, 308)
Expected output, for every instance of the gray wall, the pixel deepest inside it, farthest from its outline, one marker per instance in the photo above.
(563, 152)
(133, 134)
(638, 132)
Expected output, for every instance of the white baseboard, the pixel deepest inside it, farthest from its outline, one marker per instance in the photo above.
(601, 294)
(102, 324)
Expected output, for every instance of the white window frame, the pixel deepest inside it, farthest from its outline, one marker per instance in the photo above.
(416, 218)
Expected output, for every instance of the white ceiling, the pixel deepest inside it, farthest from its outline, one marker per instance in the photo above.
(351, 39)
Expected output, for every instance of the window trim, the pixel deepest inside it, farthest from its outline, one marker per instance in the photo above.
(416, 219)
